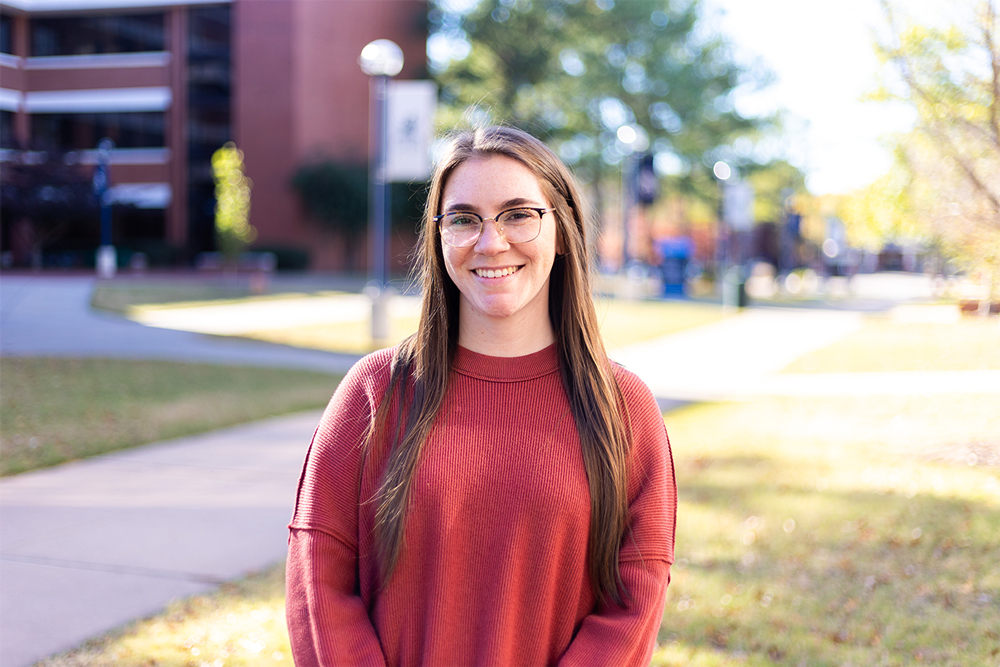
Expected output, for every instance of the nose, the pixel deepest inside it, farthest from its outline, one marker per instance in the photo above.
(490, 241)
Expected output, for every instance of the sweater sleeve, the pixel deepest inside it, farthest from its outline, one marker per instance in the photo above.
(328, 622)
(615, 635)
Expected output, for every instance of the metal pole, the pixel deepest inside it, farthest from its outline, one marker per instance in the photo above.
(379, 191)
(378, 220)
(626, 210)
(107, 256)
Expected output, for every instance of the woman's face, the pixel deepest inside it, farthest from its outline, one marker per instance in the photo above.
(519, 287)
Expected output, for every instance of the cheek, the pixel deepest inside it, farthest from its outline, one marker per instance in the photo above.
(452, 262)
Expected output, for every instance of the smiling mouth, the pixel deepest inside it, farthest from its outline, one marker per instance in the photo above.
(496, 273)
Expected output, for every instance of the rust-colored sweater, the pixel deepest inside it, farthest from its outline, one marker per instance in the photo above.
(494, 567)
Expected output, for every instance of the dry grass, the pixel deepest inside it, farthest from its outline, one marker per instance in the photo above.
(243, 623)
(833, 532)
(972, 343)
(56, 410)
(622, 323)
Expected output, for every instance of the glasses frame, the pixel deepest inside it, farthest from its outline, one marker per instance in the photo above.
(482, 224)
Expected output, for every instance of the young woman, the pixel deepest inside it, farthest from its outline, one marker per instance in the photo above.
(493, 491)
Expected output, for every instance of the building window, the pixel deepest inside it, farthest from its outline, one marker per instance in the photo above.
(6, 38)
(7, 129)
(81, 131)
(85, 35)
(208, 115)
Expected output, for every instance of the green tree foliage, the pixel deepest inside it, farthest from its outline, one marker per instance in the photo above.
(233, 231)
(54, 198)
(574, 71)
(773, 183)
(336, 196)
(950, 162)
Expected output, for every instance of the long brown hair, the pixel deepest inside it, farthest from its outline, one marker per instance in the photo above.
(422, 362)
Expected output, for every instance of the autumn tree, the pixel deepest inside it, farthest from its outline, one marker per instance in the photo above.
(947, 176)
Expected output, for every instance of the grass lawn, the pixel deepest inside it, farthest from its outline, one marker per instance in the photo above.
(972, 343)
(120, 295)
(833, 532)
(810, 532)
(622, 323)
(56, 410)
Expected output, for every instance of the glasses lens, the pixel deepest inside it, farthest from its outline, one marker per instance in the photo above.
(460, 229)
(520, 225)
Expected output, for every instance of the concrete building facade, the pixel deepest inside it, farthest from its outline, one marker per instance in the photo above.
(172, 81)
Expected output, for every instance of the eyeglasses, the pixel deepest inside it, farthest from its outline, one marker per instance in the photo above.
(461, 229)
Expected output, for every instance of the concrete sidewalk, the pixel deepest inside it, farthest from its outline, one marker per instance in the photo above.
(94, 544)
(51, 316)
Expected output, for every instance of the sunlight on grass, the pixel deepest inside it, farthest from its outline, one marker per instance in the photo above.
(815, 531)
(972, 343)
(351, 337)
(622, 323)
(241, 624)
(626, 322)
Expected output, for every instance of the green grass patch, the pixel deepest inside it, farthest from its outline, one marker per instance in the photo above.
(832, 532)
(242, 623)
(120, 296)
(972, 343)
(56, 410)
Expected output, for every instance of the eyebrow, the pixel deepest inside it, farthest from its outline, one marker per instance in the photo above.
(505, 205)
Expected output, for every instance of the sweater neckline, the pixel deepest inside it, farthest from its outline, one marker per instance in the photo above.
(506, 369)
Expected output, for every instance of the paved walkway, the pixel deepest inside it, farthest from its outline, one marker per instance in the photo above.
(91, 545)
(50, 316)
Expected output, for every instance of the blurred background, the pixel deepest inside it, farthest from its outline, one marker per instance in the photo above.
(208, 212)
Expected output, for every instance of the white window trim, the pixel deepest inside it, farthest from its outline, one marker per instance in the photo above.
(90, 157)
(124, 156)
(100, 61)
(7, 60)
(141, 195)
(98, 100)
(36, 6)
(10, 99)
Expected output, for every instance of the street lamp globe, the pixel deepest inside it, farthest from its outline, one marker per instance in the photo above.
(382, 57)
(626, 134)
(722, 171)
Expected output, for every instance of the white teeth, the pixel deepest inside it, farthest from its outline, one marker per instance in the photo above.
(496, 273)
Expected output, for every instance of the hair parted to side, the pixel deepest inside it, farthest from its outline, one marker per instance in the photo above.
(421, 366)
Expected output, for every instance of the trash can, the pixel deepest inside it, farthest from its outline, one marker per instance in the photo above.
(674, 253)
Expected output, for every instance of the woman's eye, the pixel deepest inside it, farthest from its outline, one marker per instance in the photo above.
(463, 221)
(519, 215)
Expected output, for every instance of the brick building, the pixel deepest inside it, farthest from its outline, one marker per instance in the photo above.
(170, 82)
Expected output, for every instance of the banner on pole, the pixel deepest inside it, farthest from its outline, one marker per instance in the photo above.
(737, 205)
(409, 130)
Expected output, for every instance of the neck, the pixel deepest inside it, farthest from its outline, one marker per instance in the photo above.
(514, 336)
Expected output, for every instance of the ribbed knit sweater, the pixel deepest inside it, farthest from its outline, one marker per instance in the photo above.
(494, 565)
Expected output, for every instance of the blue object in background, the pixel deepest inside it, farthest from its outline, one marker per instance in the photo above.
(675, 253)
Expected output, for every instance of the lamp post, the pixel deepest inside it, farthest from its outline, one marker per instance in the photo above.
(380, 60)
(107, 257)
(626, 135)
